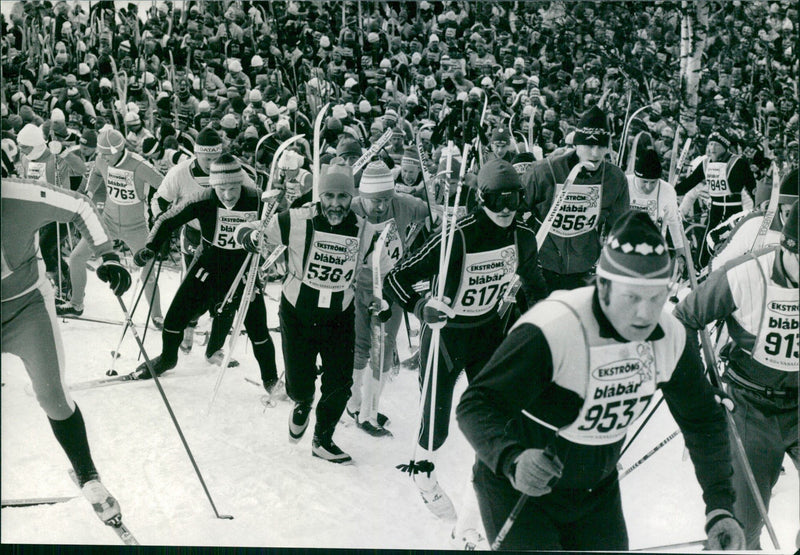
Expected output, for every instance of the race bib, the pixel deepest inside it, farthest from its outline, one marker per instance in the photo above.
(621, 385)
(120, 188)
(579, 212)
(227, 222)
(649, 206)
(484, 281)
(331, 262)
(36, 170)
(777, 342)
(716, 179)
(390, 252)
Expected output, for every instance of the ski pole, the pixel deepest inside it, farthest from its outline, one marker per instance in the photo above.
(152, 297)
(678, 546)
(647, 455)
(646, 420)
(114, 354)
(169, 407)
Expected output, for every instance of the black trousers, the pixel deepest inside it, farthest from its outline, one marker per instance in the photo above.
(575, 520)
(202, 290)
(467, 349)
(333, 339)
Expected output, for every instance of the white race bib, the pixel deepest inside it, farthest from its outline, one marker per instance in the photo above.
(120, 188)
(777, 342)
(621, 385)
(331, 262)
(579, 212)
(717, 180)
(484, 281)
(36, 170)
(391, 251)
(227, 222)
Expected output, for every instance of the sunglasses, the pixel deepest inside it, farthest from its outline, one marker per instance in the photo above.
(496, 201)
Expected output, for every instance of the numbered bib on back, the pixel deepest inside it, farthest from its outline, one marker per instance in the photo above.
(227, 222)
(777, 342)
(120, 187)
(391, 251)
(717, 179)
(331, 262)
(36, 170)
(484, 281)
(621, 385)
(579, 212)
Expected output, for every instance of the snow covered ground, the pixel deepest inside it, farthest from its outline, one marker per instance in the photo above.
(277, 492)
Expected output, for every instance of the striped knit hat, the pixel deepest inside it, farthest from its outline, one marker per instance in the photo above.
(635, 252)
(410, 157)
(337, 177)
(226, 171)
(376, 181)
(110, 141)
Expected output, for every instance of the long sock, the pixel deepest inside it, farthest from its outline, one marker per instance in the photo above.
(265, 355)
(170, 342)
(354, 403)
(71, 434)
(424, 481)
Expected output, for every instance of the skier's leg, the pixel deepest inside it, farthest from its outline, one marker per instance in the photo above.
(255, 322)
(136, 240)
(77, 270)
(363, 340)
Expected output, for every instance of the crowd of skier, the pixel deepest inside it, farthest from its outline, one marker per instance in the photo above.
(519, 179)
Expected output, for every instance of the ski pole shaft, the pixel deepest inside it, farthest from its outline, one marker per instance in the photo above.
(646, 420)
(677, 546)
(512, 517)
(152, 297)
(125, 327)
(169, 408)
(649, 454)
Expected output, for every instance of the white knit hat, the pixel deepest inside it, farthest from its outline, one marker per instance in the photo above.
(31, 135)
(376, 181)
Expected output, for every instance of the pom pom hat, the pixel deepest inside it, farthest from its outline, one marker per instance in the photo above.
(376, 181)
(635, 252)
(592, 129)
(110, 141)
(226, 171)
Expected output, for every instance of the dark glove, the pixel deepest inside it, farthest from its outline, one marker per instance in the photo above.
(535, 471)
(724, 532)
(114, 273)
(143, 256)
(381, 309)
(722, 398)
(248, 238)
(433, 312)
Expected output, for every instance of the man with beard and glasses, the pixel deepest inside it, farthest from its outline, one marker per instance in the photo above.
(316, 311)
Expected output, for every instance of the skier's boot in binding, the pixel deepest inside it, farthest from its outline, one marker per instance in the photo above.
(103, 502)
(323, 447)
(68, 309)
(434, 497)
(160, 365)
(217, 358)
(188, 337)
(298, 420)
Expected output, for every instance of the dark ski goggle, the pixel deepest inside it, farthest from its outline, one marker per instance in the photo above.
(497, 200)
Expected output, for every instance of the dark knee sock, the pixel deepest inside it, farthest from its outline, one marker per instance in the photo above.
(170, 342)
(71, 434)
(265, 355)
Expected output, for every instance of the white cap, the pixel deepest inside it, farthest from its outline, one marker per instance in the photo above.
(30, 135)
(339, 112)
(350, 82)
(104, 82)
(234, 65)
(255, 95)
(486, 82)
(256, 61)
(290, 161)
(271, 109)
(57, 115)
(324, 42)
(132, 118)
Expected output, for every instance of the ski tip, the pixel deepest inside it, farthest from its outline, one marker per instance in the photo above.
(225, 517)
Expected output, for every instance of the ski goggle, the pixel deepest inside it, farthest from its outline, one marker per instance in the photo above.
(496, 201)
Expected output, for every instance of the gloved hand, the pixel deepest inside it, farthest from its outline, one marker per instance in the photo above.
(722, 398)
(381, 309)
(536, 471)
(248, 238)
(434, 312)
(143, 256)
(114, 273)
(724, 532)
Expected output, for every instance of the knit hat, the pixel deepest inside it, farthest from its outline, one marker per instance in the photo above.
(290, 160)
(498, 175)
(149, 146)
(789, 187)
(376, 181)
(647, 165)
(411, 157)
(455, 166)
(635, 252)
(501, 135)
(208, 141)
(226, 171)
(364, 107)
(592, 128)
(719, 136)
(110, 141)
(89, 138)
(132, 118)
(348, 146)
(255, 95)
(271, 109)
(789, 233)
(228, 121)
(30, 135)
(337, 177)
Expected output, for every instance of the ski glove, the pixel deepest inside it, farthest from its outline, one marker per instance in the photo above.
(434, 312)
(114, 273)
(722, 398)
(143, 256)
(724, 532)
(535, 471)
(248, 238)
(381, 309)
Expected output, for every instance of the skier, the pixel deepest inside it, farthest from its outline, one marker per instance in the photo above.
(490, 246)
(757, 296)
(316, 309)
(380, 206)
(225, 204)
(727, 176)
(607, 348)
(600, 196)
(28, 309)
(127, 178)
(651, 194)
